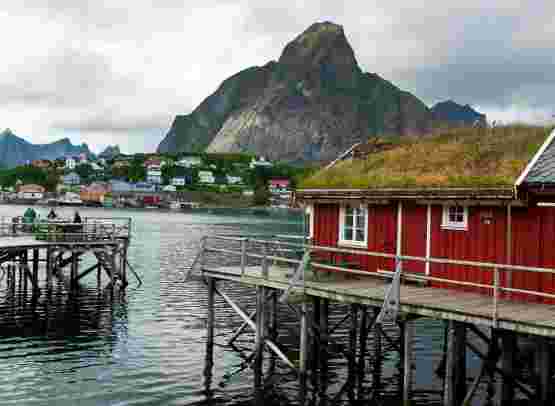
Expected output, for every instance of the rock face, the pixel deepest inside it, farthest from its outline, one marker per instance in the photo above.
(456, 115)
(110, 151)
(312, 104)
(16, 151)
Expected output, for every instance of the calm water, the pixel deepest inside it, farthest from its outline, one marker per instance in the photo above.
(147, 347)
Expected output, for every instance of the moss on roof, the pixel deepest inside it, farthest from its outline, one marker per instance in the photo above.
(466, 157)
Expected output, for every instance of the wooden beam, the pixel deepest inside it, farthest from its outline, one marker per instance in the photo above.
(455, 368)
(210, 321)
(259, 344)
(303, 355)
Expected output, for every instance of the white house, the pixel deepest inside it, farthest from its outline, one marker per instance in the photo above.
(260, 163)
(234, 180)
(71, 162)
(31, 192)
(179, 181)
(189, 161)
(154, 176)
(206, 177)
(169, 188)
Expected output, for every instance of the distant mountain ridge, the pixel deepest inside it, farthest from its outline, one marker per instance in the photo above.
(110, 151)
(454, 114)
(17, 151)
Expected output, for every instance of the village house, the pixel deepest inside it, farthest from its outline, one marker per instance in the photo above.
(206, 177)
(95, 192)
(234, 180)
(189, 161)
(277, 185)
(462, 196)
(260, 163)
(71, 178)
(180, 181)
(30, 192)
(70, 163)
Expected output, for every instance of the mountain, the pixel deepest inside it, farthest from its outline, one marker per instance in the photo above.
(311, 104)
(454, 114)
(110, 151)
(16, 151)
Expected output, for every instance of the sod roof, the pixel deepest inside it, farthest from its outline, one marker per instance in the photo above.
(457, 158)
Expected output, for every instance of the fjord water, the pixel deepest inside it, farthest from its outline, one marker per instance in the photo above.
(147, 347)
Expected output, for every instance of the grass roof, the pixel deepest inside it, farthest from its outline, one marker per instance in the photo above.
(465, 157)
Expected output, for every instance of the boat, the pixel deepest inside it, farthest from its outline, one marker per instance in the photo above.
(70, 199)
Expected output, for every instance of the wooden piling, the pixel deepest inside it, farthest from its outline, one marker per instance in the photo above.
(363, 337)
(315, 347)
(455, 368)
(49, 267)
(36, 255)
(351, 365)
(273, 329)
(324, 311)
(210, 319)
(74, 270)
(509, 349)
(259, 344)
(303, 355)
(543, 371)
(377, 367)
(407, 333)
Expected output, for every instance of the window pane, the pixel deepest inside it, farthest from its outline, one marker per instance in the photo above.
(348, 234)
(360, 234)
(349, 220)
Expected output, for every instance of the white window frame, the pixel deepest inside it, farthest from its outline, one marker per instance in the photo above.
(448, 224)
(309, 211)
(353, 243)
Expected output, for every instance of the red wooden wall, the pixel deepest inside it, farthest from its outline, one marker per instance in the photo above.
(533, 243)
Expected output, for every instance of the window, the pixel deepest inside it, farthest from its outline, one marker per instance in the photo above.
(309, 221)
(455, 218)
(353, 226)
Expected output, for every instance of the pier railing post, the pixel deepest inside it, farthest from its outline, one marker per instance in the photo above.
(210, 319)
(265, 260)
(495, 296)
(259, 344)
(243, 255)
(455, 372)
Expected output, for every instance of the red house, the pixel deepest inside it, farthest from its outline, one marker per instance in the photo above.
(476, 194)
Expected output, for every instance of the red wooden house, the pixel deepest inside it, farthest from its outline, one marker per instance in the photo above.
(462, 196)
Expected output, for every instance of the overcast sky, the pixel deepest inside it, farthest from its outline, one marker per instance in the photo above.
(117, 74)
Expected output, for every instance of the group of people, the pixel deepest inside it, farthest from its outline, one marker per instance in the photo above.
(30, 215)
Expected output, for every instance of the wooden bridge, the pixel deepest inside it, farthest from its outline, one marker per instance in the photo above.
(62, 244)
(298, 274)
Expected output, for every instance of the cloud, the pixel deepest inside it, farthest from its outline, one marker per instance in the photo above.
(103, 69)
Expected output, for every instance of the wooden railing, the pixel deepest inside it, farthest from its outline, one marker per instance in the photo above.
(265, 250)
(90, 229)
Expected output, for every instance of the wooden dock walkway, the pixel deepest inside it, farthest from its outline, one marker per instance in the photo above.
(445, 304)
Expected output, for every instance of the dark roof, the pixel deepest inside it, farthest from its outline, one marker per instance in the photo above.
(542, 168)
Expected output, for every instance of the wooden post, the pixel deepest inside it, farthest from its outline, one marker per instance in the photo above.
(324, 309)
(243, 255)
(303, 349)
(455, 368)
(377, 367)
(363, 336)
(265, 261)
(273, 333)
(35, 270)
(352, 376)
(259, 344)
(315, 348)
(509, 349)
(210, 319)
(74, 269)
(407, 333)
(543, 371)
(49, 267)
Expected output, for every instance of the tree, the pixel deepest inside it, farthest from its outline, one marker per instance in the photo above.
(85, 171)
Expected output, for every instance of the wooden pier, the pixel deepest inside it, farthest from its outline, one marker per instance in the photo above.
(57, 247)
(295, 273)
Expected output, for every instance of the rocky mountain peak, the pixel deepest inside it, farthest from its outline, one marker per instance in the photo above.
(320, 53)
